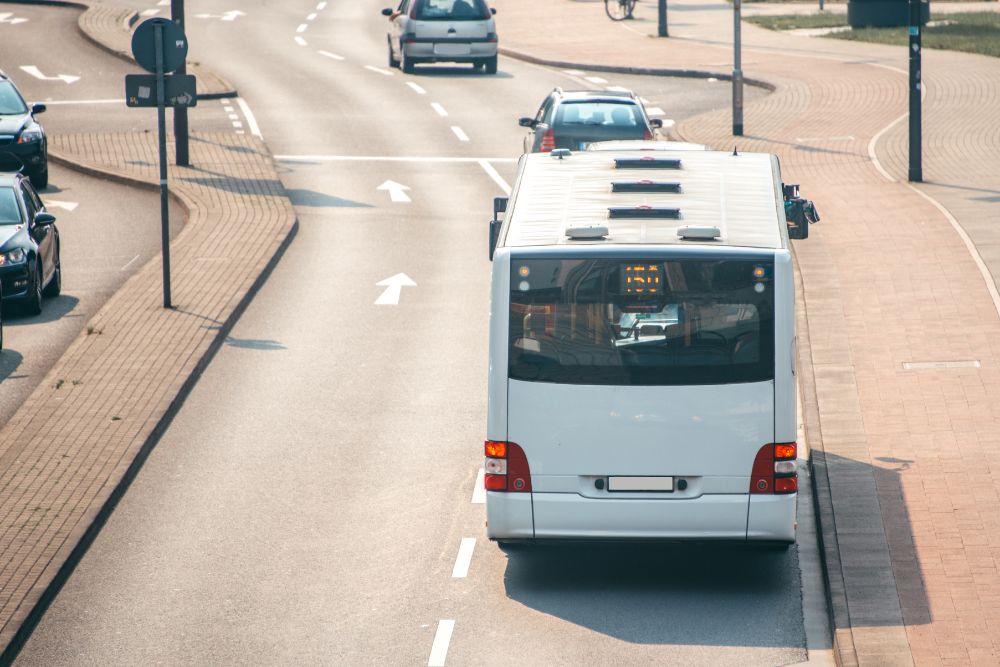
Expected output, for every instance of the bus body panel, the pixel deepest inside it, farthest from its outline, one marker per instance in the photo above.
(508, 516)
(680, 431)
(564, 515)
(772, 518)
(785, 424)
(496, 415)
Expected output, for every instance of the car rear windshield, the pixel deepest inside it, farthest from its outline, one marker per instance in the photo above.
(608, 114)
(10, 101)
(641, 321)
(451, 10)
(10, 213)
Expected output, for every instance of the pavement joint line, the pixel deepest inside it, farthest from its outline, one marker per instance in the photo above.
(495, 175)
(464, 558)
(479, 490)
(382, 158)
(442, 638)
(459, 133)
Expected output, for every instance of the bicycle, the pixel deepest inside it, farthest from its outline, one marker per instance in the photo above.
(619, 10)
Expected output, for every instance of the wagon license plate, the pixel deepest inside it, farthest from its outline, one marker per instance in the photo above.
(640, 483)
(452, 49)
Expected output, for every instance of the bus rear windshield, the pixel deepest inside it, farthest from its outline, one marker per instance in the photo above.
(642, 321)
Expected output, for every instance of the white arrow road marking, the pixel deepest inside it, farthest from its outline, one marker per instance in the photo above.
(393, 286)
(35, 72)
(396, 191)
(67, 205)
(5, 18)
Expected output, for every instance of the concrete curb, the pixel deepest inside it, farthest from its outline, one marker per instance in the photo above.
(649, 71)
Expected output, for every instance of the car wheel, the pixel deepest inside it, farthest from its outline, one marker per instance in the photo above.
(33, 302)
(392, 61)
(40, 178)
(491, 65)
(55, 285)
(406, 63)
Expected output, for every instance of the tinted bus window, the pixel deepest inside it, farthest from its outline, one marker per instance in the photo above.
(641, 322)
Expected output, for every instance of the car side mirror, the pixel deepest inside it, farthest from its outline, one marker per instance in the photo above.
(386, 12)
(38, 108)
(493, 11)
(526, 122)
(43, 218)
(655, 122)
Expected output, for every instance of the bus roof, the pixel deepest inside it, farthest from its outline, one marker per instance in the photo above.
(646, 197)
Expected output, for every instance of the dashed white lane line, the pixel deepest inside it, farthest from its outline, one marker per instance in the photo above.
(321, 6)
(439, 109)
(300, 41)
(595, 79)
(302, 27)
(227, 109)
(225, 100)
(383, 72)
(617, 89)
(439, 649)
(464, 558)
(330, 55)
(237, 124)
(251, 121)
(233, 116)
(655, 111)
(164, 3)
(499, 180)
(311, 16)
(129, 263)
(575, 72)
(416, 88)
(462, 136)
(479, 491)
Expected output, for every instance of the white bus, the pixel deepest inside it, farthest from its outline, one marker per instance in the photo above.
(642, 350)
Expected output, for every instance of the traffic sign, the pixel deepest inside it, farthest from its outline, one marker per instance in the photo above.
(175, 46)
(179, 90)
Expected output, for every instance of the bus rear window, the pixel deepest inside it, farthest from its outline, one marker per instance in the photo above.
(642, 321)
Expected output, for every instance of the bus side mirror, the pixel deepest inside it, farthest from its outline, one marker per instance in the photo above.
(799, 214)
(499, 206)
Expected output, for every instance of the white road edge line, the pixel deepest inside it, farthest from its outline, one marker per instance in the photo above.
(381, 71)
(495, 175)
(464, 558)
(120, 101)
(462, 136)
(251, 121)
(416, 88)
(302, 27)
(330, 55)
(300, 41)
(385, 158)
(479, 491)
(439, 649)
(439, 109)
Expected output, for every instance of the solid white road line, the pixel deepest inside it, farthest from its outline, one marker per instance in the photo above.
(149, 12)
(462, 136)
(416, 88)
(330, 55)
(129, 263)
(479, 491)
(311, 17)
(302, 27)
(51, 102)
(495, 175)
(37, 73)
(385, 158)
(595, 79)
(381, 71)
(575, 72)
(251, 121)
(439, 649)
(300, 41)
(464, 559)
(617, 89)
(439, 109)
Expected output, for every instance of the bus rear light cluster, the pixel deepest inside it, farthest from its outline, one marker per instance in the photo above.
(506, 468)
(774, 469)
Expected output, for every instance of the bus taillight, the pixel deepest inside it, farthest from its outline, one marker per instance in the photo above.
(774, 469)
(506, 468)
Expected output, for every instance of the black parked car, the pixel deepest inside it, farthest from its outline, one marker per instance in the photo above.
(21, 135)
(573, 119)
(29, 245)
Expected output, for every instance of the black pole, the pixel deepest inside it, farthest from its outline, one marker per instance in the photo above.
(161, 124)
(916, 149)
(662, 27)
(737, 73)
(180, 111)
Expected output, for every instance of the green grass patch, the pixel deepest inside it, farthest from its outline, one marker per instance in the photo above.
(793, 22)
(974, 32)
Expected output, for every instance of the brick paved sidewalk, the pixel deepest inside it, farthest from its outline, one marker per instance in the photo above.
(907, 461)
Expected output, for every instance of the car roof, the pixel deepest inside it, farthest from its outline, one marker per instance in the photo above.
(9, 179)
(616, 95)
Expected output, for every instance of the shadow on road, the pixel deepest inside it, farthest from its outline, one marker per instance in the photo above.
(52, 310)
(462, 72)
(10, 360)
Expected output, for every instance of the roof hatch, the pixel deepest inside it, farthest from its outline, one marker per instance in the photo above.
(587, 232)
(645, 186)
(647, 162)
(698, 233)
(644, 212)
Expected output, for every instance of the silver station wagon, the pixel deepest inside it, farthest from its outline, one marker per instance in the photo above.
(433, 31)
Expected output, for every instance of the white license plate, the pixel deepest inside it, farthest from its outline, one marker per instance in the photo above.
(452, 49)
(640, 483)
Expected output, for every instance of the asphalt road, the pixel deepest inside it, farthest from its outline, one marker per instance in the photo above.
(308, 502)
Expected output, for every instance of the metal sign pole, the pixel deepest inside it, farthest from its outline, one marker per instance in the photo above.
(916, 172)
(662, 30)
(737, 74)
(180, 112)
(161, 122)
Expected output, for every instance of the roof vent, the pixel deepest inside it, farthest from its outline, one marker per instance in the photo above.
(644, 212)
(560, 153)
(645, 186)
(699, 233)
(588, 232)
(647, 162)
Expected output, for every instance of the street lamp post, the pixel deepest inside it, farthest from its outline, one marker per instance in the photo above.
(737, 74)
(916, 171)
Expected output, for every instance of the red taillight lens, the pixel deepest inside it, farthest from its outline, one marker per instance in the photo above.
(548, 141)
(506, 468)
(786, 485)
(774, 469)
(647, 135)
(762, 477)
